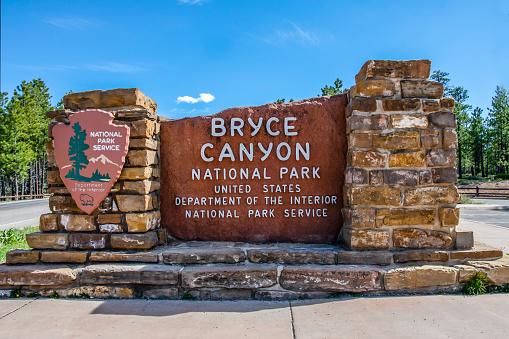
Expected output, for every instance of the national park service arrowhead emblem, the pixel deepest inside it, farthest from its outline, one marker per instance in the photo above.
(90, 154)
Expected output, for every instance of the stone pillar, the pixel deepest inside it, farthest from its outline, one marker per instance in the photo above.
(400, 175)
(129, 216)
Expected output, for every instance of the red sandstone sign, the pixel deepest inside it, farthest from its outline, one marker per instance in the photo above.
(272, 173)
(90, 153)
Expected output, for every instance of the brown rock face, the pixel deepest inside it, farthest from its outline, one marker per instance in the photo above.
(246, 174)
(408, 69)
(119, 97)
(417, 238)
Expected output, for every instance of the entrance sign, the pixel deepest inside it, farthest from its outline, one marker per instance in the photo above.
(272, 173)
(90, 153)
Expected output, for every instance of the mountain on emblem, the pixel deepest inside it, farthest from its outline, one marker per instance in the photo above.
(90, 153)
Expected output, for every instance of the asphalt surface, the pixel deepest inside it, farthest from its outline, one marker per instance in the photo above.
(493, 217)
(19, 214)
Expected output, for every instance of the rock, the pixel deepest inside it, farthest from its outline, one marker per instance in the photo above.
(441, 157)
(450, 217)
(417, 277)
(408, 69)
(48, 222)
(464, 240)
(362, 104)
(428, 256)
(87, 241)
(407, 121)
(432, 195)
(142, 222)
(397, 140)
(369, 159)
(77, 222)
(465, 272)
(129, 274)
(360, 217)
(357, 176)
(366, 239)
(147, 143)
(109, 218)
(136, 113)
(120, 97)
(374, 196)
(373, 122)
(443, 119)
(450, 139)
(134, 203)
(364, 258)
(64, 257)
(497, 271)
(63, 203)
(359, 140)
(401, 177)
(22, 257)
(478, 252)
(447, 103)
(331, 278)
(137, 173)
(419, 238)
(431, 105)
(409, 216)
(289, 295)
(245, 277)
(162, 293)
(103, 292)
(292, 256)
(142, 158)
(150, 257)
(372, 88)
(134, 241)
(208, 255)
(401, 105)
(110, 228)
(54, 241)
(143, 128)
(36, 275)
(222, 294)
(53, 178)
(407, 159)
(142, 186)
(376, 177)
(431, 139)
(425, 177)
(421, 89)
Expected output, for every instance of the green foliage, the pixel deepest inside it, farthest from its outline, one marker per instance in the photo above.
(54, 295)
(465, 199)
(188, 296)
(11, 236)
(332, 90)
(33, 295)
(82, 295)
(335, 295)
(16, 293)
(14, 239)
(498, 121)
(503, 176)
(280, 101)
(476, 285)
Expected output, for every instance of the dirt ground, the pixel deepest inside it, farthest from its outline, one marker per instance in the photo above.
(492, 188)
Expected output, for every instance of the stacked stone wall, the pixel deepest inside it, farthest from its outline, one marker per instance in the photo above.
(399, 190)
(129, 216)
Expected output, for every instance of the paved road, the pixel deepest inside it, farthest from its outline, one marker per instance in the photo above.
(19, 214)
(493, 217)
(432, 316)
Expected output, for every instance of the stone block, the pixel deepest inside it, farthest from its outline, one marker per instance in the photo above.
(371, 196)
(53, 241)
(137, 173)
(22, 257)
(63, 203)
(421, 89)
(431, 105)
(358, 176)
(363, 104)
(369, 159)
(465, 272)
(447, 103)
(245, 277)
(409, 216)
(77, 222)
(64, 257)
(478, 252)
(360, 217)
(48, 222)
(142, 222)
(372, 88)
(401, 105)
(376, 177)
(142, 157)
(432, 195)
(162, 236)
(142, 128)
(146, 143)
(120, 97)
(148, 257)
(222, 294)
(364, 258)
(419, 238)
(50, 147)
(136, 113)
(443, 119)
(431, 141)
(450, 139)
(36, 275)
(295, 256)
(359, 140)
(102, 292)
(162, 293)
(416, 256)
(141, 186)
(441, 157)
(139, 241)
(207, 255)
(407, 159)
(409, 121)
(425, 177)
(464, 240)
(110, 228)
(497, 271)
(109, 218)
(58, 190)
(88, 241)
(368, 123)
(384, 69)
(130, 274)
(418, 277)
(401, 177)
(331, 278)
(450, 217)
(288, 295)
(51, 161)
(135, 203)
(397, 140)
(53, 178)
(365, 239)
(444, 175)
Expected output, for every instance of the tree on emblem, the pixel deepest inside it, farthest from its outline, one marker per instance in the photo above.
(77, 148)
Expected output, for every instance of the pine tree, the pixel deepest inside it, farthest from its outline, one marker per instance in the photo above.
(498, 121)
(77, 148)
(332, 90)
(477, 141)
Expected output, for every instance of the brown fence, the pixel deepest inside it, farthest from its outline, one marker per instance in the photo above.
(484, 192)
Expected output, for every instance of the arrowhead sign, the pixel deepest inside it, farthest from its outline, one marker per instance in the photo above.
(90, 154)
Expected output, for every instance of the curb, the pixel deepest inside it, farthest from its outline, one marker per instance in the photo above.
(482, 207)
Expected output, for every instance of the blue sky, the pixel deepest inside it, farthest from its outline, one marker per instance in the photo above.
(243, 53)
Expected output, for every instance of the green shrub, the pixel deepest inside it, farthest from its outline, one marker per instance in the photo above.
(11, 236)
(465, 200)
(476, 285)
(502, 176)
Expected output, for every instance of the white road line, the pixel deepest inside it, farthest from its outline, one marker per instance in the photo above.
(17, 222)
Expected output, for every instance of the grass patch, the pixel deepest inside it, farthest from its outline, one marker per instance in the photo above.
(476, 285)
(467, 200)
(13, 239)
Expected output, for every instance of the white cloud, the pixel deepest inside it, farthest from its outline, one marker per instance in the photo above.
(191, 2)
(70, 23)
(205, 97)
(293, 33)
(115, 67)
